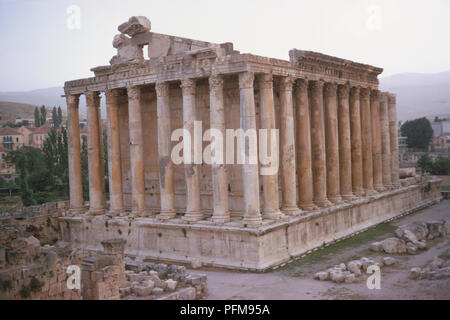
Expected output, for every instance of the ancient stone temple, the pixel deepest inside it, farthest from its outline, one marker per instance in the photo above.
(337, 172)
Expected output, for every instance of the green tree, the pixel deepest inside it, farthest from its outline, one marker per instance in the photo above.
(425, 163)
(441, 166)
(43, 115)
(55, 117)
(37, 117)
(59, 116)
(418, 132)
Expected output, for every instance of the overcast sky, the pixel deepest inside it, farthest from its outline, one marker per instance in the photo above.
(42, 44)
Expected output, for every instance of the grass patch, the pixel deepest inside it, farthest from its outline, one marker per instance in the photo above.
(295, 268)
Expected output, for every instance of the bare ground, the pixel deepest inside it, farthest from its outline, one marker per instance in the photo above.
(295, 280)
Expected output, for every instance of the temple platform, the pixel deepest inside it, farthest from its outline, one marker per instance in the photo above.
(233, 246)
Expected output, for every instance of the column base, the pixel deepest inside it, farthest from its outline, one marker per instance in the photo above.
(97, 212)
(349, 197)
(370, 192)
(323, 203)
(221, 219)
(76, 211)
(379, 188)
(252, 222)
(193, 216)
(114, 213)
(396, 185)
(335, 199)
(359, 193)
(273, 215)
(291, 211)
(308, 206)
(166, 215)
(140, 213)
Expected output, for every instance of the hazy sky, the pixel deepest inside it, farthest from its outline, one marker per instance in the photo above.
(42, 46)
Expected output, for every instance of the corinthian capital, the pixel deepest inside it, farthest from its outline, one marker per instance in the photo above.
(92, 99)
(111, 96)
(73, 100)
(216, 83)
(134, 93)
(246, 80)
(265, 81)
(162, 89)
(364, 93)
(316, 86)
(287, 83)
(188, 87)
(330, 89)
(392, 98)
(343, 91)
(301, 84)
(374, 95)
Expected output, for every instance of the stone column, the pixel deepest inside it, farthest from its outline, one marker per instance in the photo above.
(250, 176)
(191, 170)
(393, 135)
(136, 152)
(366, 140)
(166, 183)
(267, 121)
(95, 155)
(376, 140)
(221, 213)
(287, 139)
(332, 143)
(318, 143)
(385, 142)
(304, 163)
(345, 149)
(114, 155)
(74, 153)
(355, 133)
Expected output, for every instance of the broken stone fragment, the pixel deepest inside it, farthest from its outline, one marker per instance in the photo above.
(389, 261)
(323, 275)
(171, 284)
(414, 273)
(196, 263)
(355, 267)
(142, 290)
(411, 248)
(135, 25)
(351, 278)
(337, 276)
(376, 247)
(394, 245)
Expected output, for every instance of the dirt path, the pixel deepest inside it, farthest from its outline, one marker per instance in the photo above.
(295, 280)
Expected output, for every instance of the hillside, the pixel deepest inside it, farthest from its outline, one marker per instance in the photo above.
(419, 95)
(10, 111)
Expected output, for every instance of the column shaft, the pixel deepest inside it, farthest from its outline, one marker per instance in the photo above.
(304, 163)
(355, 132)
(95, 155)
(393, 135)
(332, 143)
(385, 142)
(345, 152)
(166, 183)
(287, 138)
(318, 143)
(114, 155)
(366, 139)
(250, 176)
(74, 153)
(267, 121)
(376, 140)
(136, 152)
(221, 213)
(191, 170)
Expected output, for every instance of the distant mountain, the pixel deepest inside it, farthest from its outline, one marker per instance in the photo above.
(49, 97)
(419, 95)
(10, 111)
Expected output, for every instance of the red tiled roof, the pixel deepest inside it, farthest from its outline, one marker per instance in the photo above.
(45, 129)
(8, 131)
